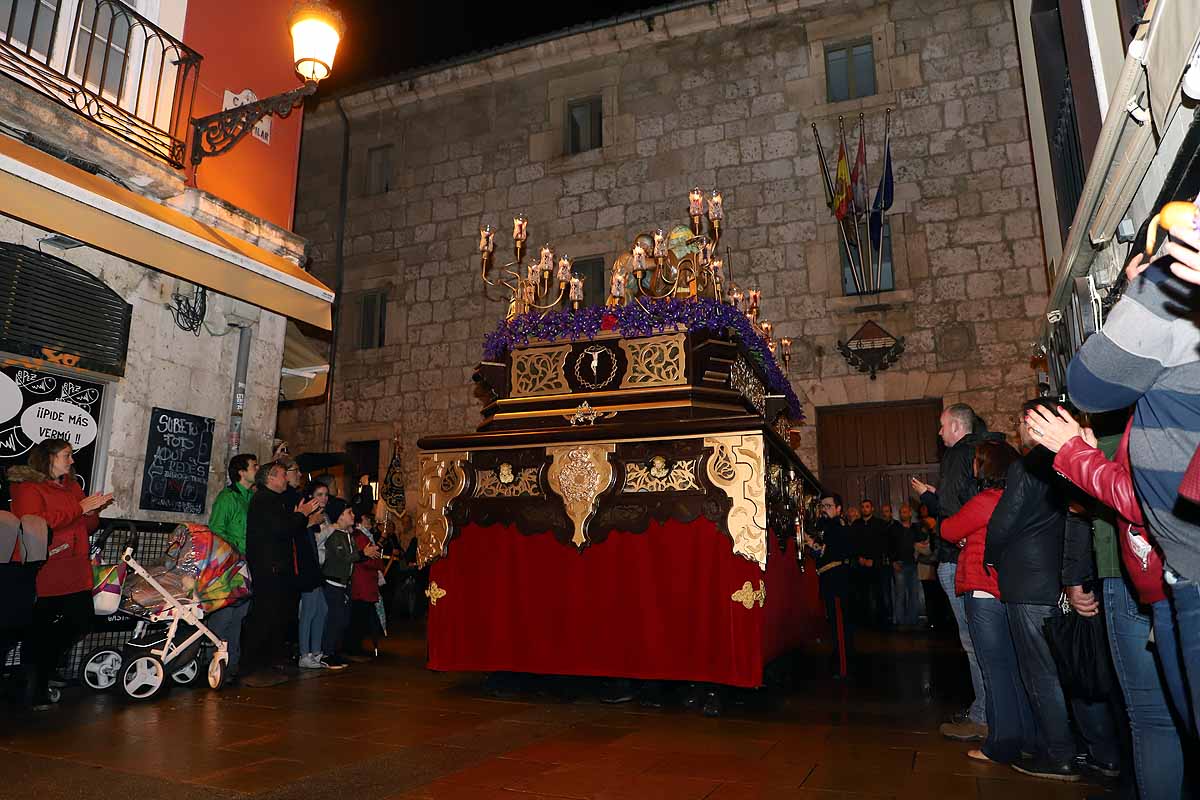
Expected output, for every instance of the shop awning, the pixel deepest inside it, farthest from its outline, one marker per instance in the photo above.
(44, 191)
(305, 366)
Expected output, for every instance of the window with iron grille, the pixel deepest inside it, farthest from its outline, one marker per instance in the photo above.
(595, 279)
(29, 25)
(379, 169)
(850, 71)
(585, 125)
(372, 320)
(887, 281)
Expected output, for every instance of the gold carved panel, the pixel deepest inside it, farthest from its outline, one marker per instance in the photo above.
(578, 474)
(655, 361)
(540, 370)
(441, 480)
(662, 475)
(748, 595)
(507, 482)
(743, 380)
(738, 467)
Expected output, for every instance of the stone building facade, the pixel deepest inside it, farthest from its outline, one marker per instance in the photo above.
(718, 95)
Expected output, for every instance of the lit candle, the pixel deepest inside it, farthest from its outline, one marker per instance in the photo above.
(660, 243)
(716, 206)
(487, 239)
(755, 295)
(696, 202)
(576, 289)
(532, 271)
(638, 261)
(618, 285)
(787, 346)
(737, 299)
(547, 259)
(767, 328)
(771, 346)
(519, 224)
(564, 270)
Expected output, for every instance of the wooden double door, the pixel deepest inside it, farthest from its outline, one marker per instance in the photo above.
(871, 451)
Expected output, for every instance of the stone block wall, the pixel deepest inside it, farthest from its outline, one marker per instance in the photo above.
(721, 96)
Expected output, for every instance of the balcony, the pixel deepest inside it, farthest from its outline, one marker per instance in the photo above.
(106, 62)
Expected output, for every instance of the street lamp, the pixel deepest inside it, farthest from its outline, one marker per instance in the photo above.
(316, 30)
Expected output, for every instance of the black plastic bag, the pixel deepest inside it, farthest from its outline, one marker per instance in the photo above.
(1080, 649)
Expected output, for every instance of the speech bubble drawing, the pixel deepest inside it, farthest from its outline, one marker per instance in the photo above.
(10, 398)
(54, 419)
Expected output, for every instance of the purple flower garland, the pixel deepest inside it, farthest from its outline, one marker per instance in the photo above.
(696, 315)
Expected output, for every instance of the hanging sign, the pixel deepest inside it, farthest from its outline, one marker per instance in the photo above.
(871, 349)
(178, 459)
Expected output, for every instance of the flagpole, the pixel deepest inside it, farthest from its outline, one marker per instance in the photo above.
(857, 235)
(866, 180)
(887, 136)
(829, 192)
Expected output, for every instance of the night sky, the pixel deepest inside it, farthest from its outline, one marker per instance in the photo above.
(385, 37)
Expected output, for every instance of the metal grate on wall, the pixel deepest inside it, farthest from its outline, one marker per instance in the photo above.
(52, 310)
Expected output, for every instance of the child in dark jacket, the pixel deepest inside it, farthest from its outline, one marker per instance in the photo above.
(341, 553)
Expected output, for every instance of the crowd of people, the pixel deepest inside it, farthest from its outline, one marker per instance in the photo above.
(1070, 558)
(323, 578)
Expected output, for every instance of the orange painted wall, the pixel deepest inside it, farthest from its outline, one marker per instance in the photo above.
(246, 45)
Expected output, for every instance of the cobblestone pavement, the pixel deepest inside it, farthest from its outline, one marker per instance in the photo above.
(392, 730)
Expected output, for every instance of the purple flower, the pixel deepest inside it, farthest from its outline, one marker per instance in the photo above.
(696, 315)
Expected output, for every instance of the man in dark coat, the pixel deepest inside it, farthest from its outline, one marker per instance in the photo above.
(961, 430)
(273, 524)
(831, 545)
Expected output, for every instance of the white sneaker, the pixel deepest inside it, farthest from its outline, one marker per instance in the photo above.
(309, 661)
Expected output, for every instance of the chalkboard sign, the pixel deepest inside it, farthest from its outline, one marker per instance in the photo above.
(178, 457)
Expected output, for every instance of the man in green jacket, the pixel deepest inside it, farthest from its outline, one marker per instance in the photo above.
(228, 520)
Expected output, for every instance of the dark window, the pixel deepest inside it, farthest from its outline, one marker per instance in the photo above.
(595, 279)
(887, 281)
(52, 309)
(372, 319)
(585, 125)
(850, 71)
(379, 169)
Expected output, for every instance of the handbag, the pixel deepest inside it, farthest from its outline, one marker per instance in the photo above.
(1080, 649)
(108, 580)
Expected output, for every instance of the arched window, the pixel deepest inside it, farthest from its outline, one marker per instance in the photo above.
(52, 310)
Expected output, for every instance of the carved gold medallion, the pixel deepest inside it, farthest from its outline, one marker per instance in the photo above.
(435, 593)
(748, 596)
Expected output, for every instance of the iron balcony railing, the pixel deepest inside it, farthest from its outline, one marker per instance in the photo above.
(105, 61)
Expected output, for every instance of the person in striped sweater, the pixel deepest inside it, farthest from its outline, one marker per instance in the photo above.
(1148, 356)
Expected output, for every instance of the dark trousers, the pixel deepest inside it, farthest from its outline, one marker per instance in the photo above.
(835, 594)
(1011, 728)
(338, 601)
(58, 621)
(364, 624)
(884, 614)
(865, 595)
(272, 609)
(1040, 676)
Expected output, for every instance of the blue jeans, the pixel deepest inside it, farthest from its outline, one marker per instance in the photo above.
(1167, 645)
(1157, 752)
(1185, 600)
(312, 620)
(978, 711)
(1039, 673)
(906, 595)
(1011, 729)
(226, 623)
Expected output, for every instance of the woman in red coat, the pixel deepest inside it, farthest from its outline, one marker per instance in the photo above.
(364, 592)
(47, 488)
(1011, 728)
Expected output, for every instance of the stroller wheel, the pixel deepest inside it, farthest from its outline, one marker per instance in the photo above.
(186, 675)
(143, 677)
(101, 669)
(216, 673)
(54, 694)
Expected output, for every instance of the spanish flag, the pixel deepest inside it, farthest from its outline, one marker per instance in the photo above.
(841, 185)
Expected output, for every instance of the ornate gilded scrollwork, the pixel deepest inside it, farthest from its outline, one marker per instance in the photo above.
(744, 381)
(748, 595)
(662, 475)
(435, 593)
(540, 370)
(655, 361)
(441, 480)
(586, 415)
(505, 482)
(578, 474)
(737, 466)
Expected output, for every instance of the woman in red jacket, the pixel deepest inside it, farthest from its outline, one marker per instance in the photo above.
(364, 592)
(1011, 728)
(47, 488)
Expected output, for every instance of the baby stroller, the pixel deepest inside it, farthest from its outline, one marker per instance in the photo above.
(202, 573)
